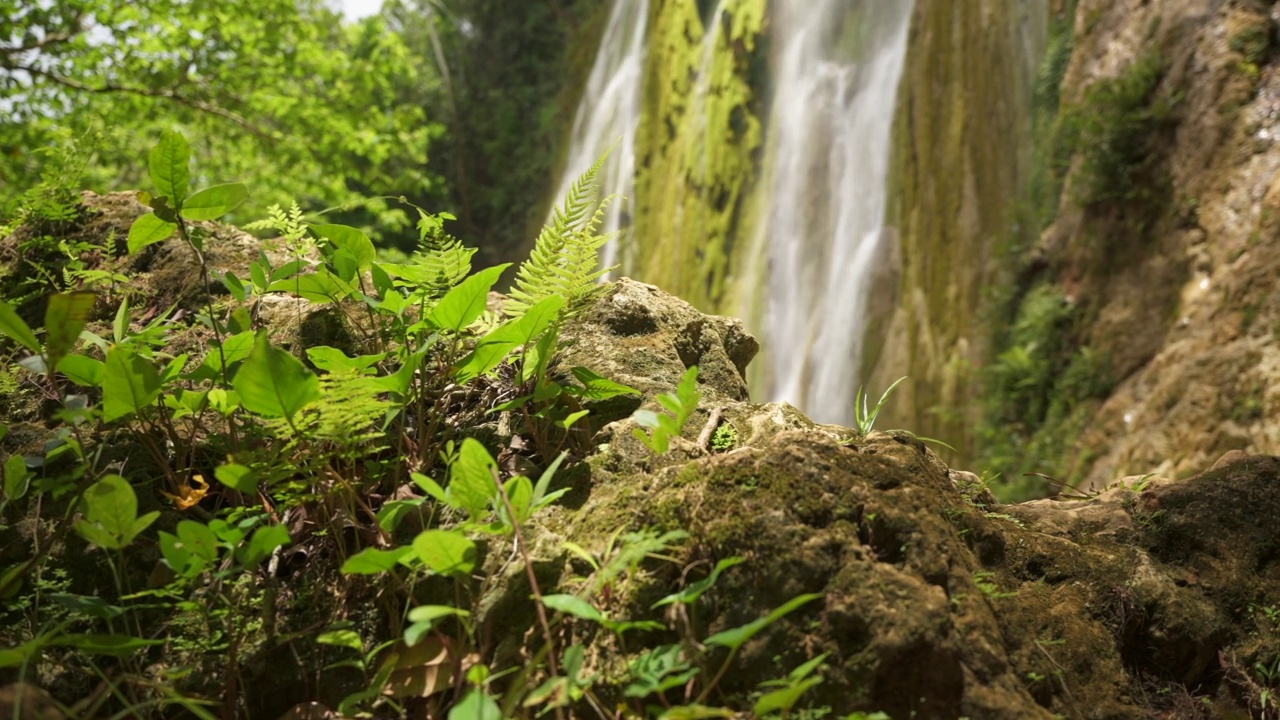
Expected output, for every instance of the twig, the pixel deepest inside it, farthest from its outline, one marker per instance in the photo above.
(704, 437)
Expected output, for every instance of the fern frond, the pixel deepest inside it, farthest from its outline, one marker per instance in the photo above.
(441, 257)
(566, 256)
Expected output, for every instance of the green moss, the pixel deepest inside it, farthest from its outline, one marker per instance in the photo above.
(1254, 42)
(1117, 132)
(699, 138)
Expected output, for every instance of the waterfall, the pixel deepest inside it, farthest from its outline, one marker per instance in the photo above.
(608, 116)
(809, 240)
(836, 78)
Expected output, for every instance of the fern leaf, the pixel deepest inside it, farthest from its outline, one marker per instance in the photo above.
(566, 256)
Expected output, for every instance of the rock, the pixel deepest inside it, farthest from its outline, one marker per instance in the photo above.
(24, 701)
(640, 336)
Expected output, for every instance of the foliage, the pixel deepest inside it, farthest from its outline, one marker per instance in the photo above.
(327, 439)
(724, 439)
(864, 416)
(1117, 131)
(664, 426)
(325, 111)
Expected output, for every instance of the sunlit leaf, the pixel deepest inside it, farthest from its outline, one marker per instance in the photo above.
(274, 383)
(462, 305)
(130, 382)
(169, 165)
(17, 329)
(148, 230)
(446, 552)
(212, 203)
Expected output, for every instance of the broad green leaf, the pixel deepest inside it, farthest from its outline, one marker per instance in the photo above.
(520, 493)
(180, 560)
(88, 604)
(462, 305)
(597, 387)
(17, 329)
(431, 613)
(265, 540)
(212, 203)
(372, 561)
(235, 286)
(493, 348)
(224, 402)
(274, 383)
(129, 383)
(342, 638)
(782, 700)
(445, 552)
(737, 637)
(573, 418)
(477, 705)
(430, 487)
(199, 539)
(473, 478)
(350, 239)
(192, 550)
(695, 590)
(149, 230)
(335, 361)
(573, 605)
(111, 514)
(64, 318)
(392, 513)
(320, 286)
(113, 645)
(233, 349)
(170, 171)
(83, 370)
(16, 478)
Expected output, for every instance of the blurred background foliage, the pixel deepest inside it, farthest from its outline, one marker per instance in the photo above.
(457, 105)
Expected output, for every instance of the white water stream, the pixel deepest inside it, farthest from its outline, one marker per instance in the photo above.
(609, 114)
(836, 69)
(836, 83)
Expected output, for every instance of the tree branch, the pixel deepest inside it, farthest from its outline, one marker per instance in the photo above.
(169, 95)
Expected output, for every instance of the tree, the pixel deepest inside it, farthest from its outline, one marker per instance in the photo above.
(279, 91)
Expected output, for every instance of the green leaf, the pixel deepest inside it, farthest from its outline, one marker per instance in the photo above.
(320, 286)
(695, 590)
(476, 705)
(350, 239)
(113, 645)
(446, 552)
(169, 166)
(89, 605)
(22, 654)
(597, 387)
(335, 361)
(235, 286)
(573, 605)
(372, 561)
(83, 370)
(111, 514)
(16, 478)
(64, 318)
(432, 613)
(695, 712)
(265, 540)
(149, 230)
(212, 203)
(129, 383)
(462, 305)
(493, 348)
(16, 328)
(783, 699)
(520, 493)
(392, 513)
(544, 480)
(430, 487)
(192, 550)
(342, 638)
(473, 478)
(737, 637)
(274, 383)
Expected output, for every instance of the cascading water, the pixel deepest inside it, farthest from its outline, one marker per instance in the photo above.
(609, 114)
(818, 216)
(836, 78)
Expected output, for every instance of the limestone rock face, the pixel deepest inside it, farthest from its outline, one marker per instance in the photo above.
(641, 336)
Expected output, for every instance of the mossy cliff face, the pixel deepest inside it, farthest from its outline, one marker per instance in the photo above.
(698, 144)
(960, 160)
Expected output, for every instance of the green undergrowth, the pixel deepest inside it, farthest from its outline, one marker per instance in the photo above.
(196, 499)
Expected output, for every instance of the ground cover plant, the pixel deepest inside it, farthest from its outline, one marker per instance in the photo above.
(196, 463)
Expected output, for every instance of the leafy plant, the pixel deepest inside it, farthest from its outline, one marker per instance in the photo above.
(664, 426)
(864, 417)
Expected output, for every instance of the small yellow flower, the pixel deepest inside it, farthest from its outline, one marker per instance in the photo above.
(188, 496)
